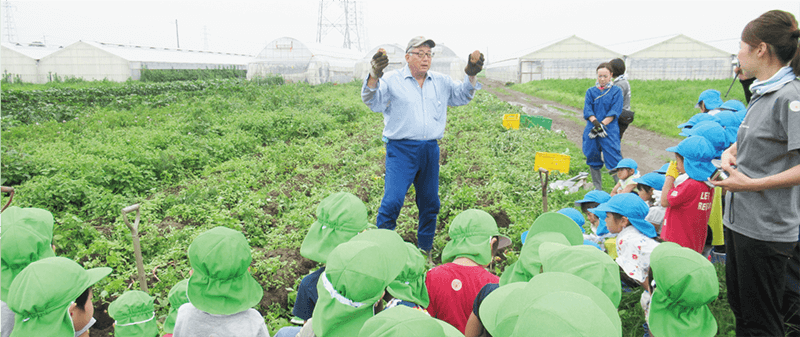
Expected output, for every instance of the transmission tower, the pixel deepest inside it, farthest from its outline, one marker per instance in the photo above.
(347, 18)
(9, 25)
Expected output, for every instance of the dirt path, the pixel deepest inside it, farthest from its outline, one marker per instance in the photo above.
(647, 148)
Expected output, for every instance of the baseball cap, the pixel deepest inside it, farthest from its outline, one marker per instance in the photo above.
(418, 41)
(697, 118)
(697, 153)
(711, 98)
(631, 206)
(470, 234)
(651, 179)
(687, 282)
(713, 132)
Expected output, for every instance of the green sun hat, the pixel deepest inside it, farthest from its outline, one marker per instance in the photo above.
(356, 275)
(548, 227)
(495, 319)
(41, 294)
(391, 242)
(177, 297)
(27, 237)
(564, 313)
(340, 216)
(586, 262)
(134, 315)
(221, 283)
(410, 284)
(470, 234)
(686, 283)
(402, 321)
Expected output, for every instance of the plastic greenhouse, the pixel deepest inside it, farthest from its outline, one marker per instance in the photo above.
(569, 58)
(296, 61)
(446, 61)
(680, 58)
(21, 62)
(397, 60)
(98, 61)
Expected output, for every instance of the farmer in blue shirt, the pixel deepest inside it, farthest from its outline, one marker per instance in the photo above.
(414, 104)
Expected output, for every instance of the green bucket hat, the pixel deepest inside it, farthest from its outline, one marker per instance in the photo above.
(221, 283)
(177, 297)
(499, 310)
(410, 284)
(686, 283)
(548, 227)
(357, 273)
(134, 315)
(402, 321)
(27, 236)
(41, 294)
(340, 217)
(470, 234)
(586, 262)
(564, 313)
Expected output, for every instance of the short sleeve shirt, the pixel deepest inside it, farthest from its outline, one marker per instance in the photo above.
(686, 219)
(452, 289)
(768, 143)
(633, 253)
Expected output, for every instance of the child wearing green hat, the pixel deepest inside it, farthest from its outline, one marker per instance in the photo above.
(340, 216)
(134, 315)
(403, 322)
(686, 282)
(177, 297)
(221, 290)
(585, 262)
(27, 236)
(452, 287)
(53, 297)
(408, 289)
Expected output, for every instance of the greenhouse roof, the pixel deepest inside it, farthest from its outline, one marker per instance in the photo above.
(680, 46)
(167, 55)
(572, 47)
(33, 50)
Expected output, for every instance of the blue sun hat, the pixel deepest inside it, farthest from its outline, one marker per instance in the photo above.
(663, 169)
(713, 132)
(711, 99)
(631, 206)
(598, 197)
(728, 119)
(733, 105)
(651, 179)
(697, 153)
(740, 115)
(575, 215)
(626, 163)
(697, 118)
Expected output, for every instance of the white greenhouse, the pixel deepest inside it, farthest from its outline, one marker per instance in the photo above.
(569, 58)
(446, 61)
(21, 62)
(680, 58)
(116, 62)
(311, 63)
(397, 59)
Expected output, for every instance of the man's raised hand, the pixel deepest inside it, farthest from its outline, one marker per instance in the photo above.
(474, 63)
(379, 62)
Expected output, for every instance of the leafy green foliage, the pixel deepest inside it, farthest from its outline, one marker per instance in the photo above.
(172, 75)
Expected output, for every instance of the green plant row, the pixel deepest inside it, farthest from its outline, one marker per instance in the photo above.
(660, 106)
(172, 75)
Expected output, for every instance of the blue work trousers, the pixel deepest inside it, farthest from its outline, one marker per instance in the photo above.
(412, 161)
(608, 146)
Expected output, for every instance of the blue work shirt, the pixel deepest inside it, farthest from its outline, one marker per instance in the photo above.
(602, 103)
(414, 112)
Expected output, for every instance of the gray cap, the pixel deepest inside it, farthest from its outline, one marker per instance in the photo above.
(418, 41)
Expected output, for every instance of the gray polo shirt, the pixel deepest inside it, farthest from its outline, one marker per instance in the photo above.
(197, 323)
(768, 143)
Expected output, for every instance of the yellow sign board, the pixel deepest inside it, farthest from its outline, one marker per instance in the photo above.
(511, 121)
(551, 162)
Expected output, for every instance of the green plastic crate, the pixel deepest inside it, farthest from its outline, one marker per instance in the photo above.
(529, 121)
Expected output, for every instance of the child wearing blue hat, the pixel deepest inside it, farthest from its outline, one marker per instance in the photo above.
(689, 204)
(697, 118)
(709, 101)
(625, 215)
(599, 233)
(647, 186)
(626, 172)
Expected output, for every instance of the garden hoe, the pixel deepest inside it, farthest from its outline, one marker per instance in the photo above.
(137, 249)
(10, 191)
(544, 176)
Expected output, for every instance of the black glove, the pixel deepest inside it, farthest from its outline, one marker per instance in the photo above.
(592, 133)
(379, 62)
(473, 68)
(596, 123)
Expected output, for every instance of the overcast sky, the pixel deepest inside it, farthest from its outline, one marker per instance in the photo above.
(499, 28)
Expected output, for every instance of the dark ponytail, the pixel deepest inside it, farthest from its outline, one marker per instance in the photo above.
(778, 29)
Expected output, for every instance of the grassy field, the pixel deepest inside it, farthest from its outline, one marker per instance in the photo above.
(254, 157)
(659, 105)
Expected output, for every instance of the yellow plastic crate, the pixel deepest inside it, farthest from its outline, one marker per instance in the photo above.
(511, 121)
(551, 162)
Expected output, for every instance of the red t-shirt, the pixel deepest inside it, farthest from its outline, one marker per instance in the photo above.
(686, 218)
(452, 289)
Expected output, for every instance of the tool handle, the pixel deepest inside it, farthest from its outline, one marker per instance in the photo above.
(10, 191)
